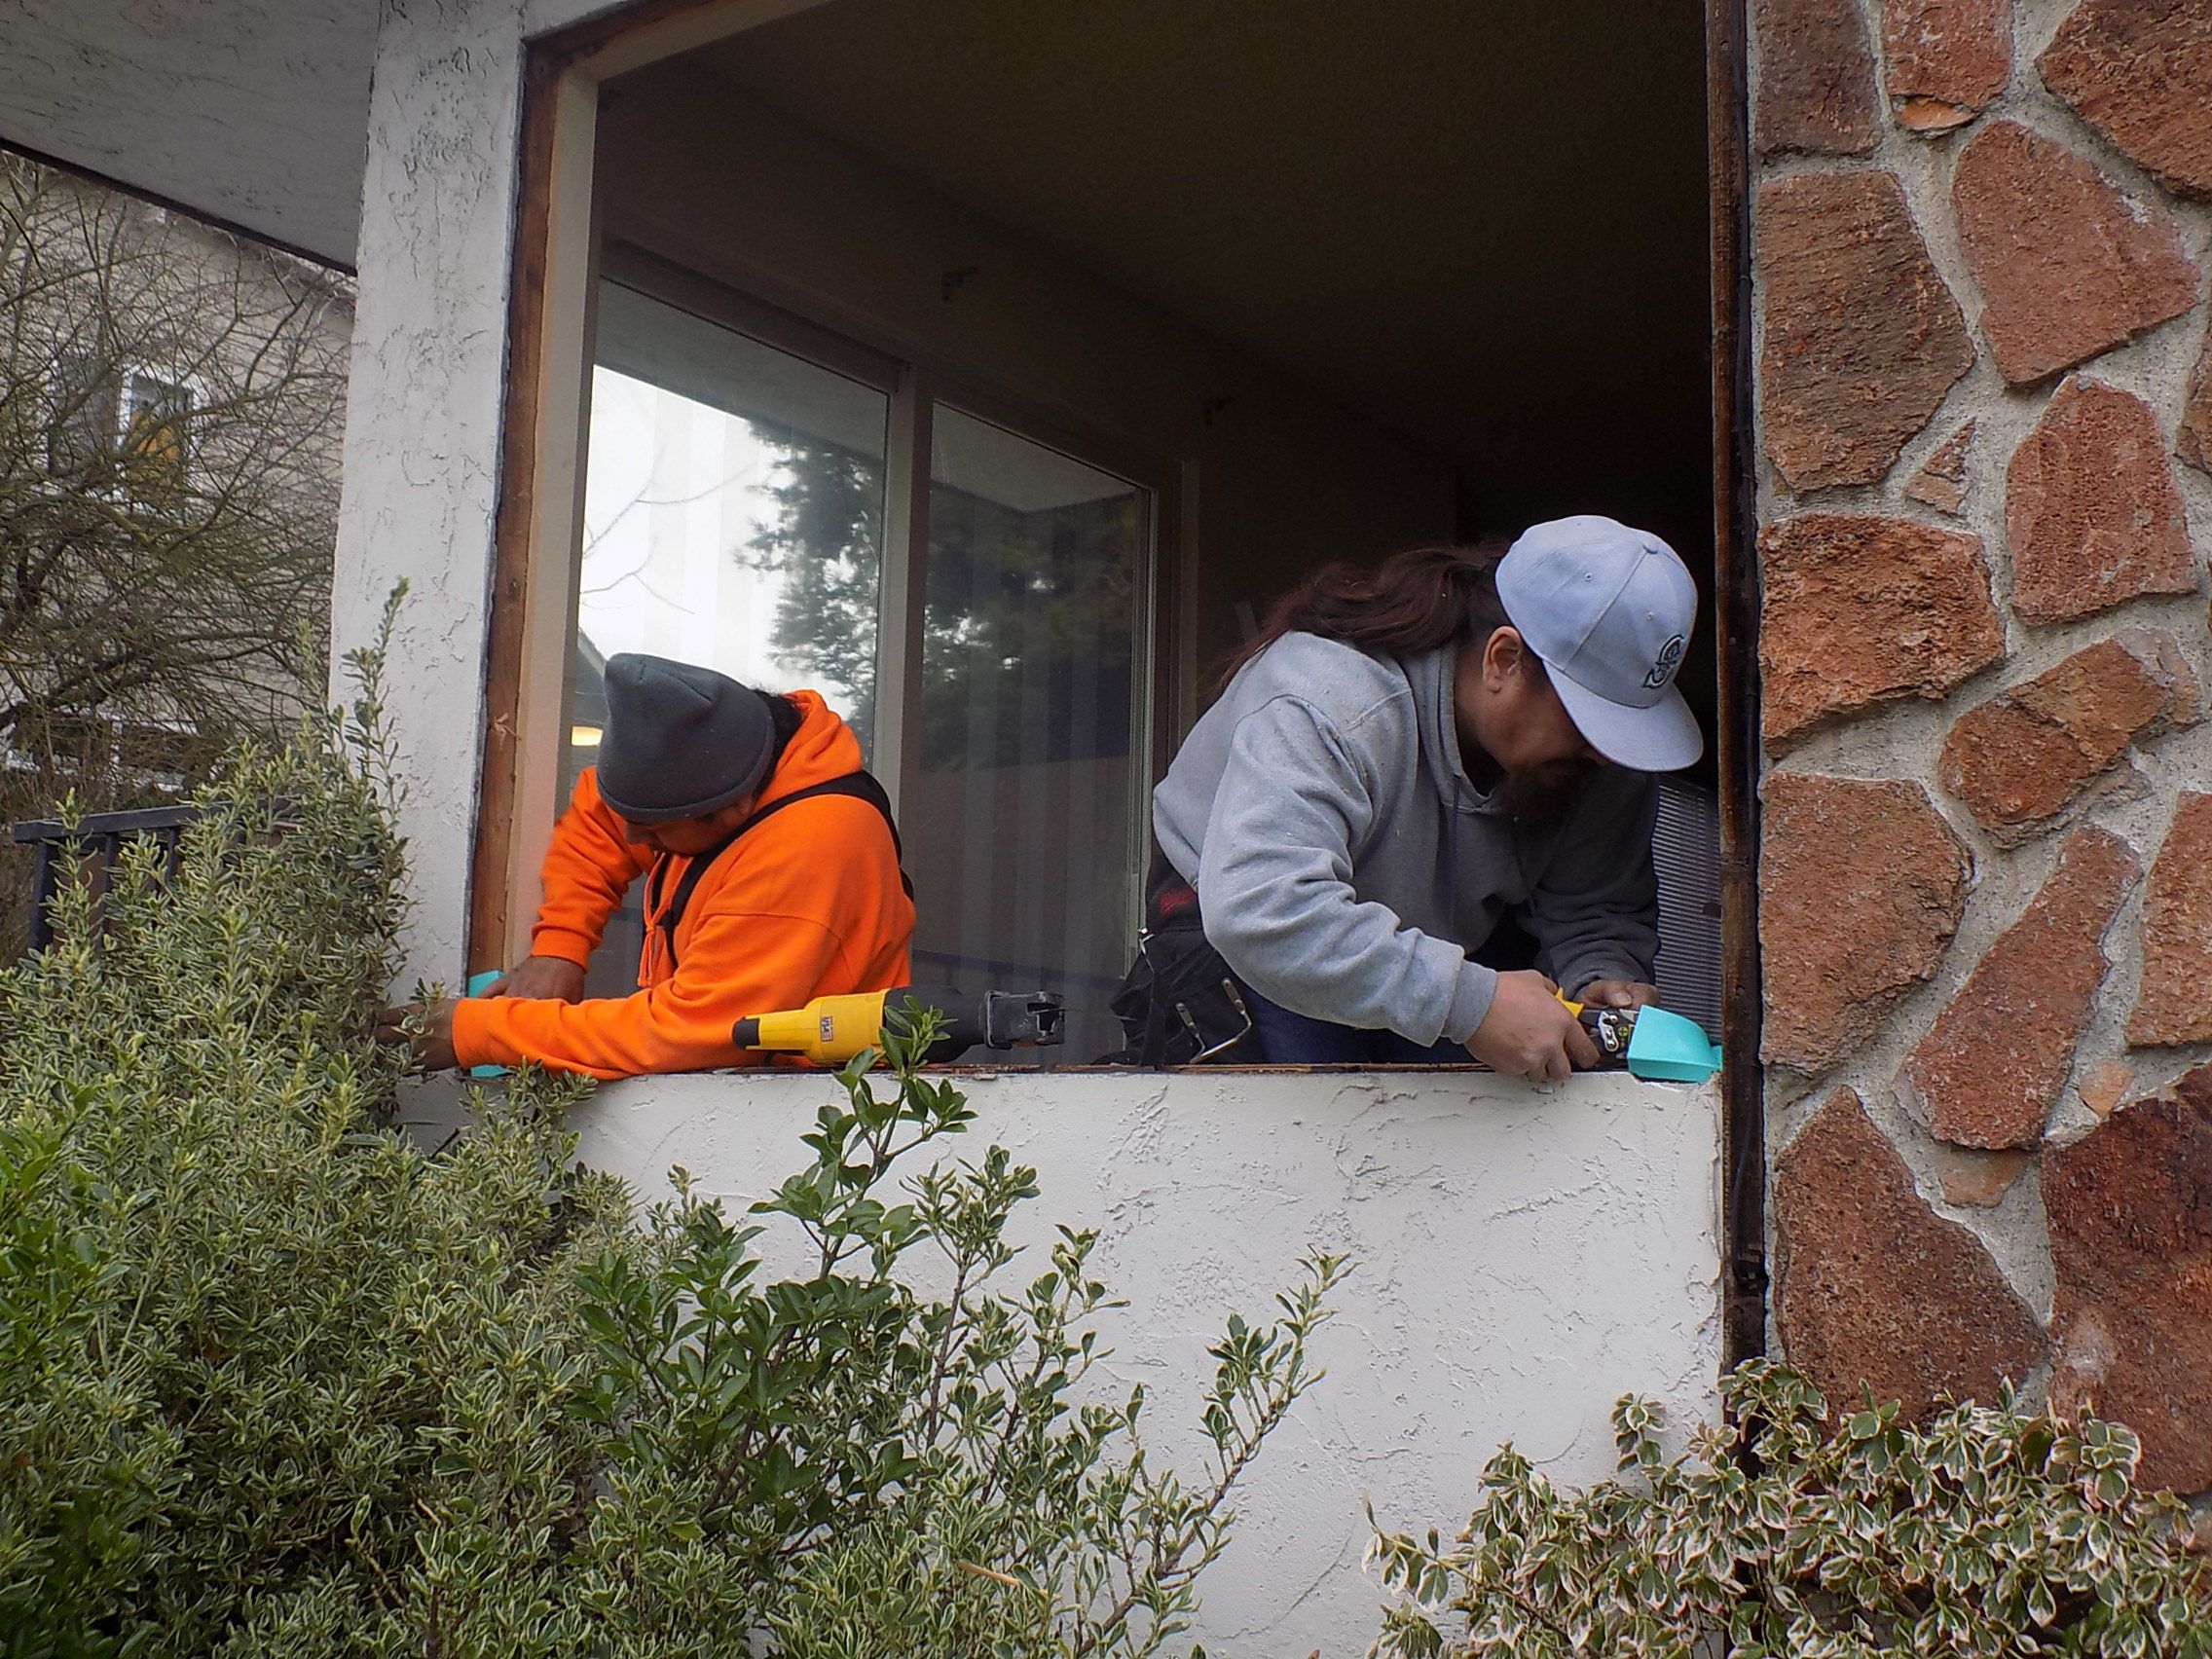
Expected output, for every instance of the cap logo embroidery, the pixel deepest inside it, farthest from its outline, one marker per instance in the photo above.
(1670, 659)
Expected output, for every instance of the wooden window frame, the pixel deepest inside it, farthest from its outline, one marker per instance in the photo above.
(1736, 634)
(552, 281)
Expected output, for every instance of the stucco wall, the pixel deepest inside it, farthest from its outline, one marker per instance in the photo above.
(422, 446)
(1522, 1258)
(247, 110)
(1980, 246)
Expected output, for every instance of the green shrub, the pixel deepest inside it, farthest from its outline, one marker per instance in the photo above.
(1989, 1531)
(246, 1333)
(274, 1379)
(838, 1464)
(87, 1465)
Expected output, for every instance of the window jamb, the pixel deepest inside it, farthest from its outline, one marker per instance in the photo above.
(902, 593)
(629, 265)
(547, 411)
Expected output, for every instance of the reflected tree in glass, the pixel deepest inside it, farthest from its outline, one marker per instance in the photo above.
(823, 542)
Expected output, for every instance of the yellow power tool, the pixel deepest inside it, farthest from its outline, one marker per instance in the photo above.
(830, 1030)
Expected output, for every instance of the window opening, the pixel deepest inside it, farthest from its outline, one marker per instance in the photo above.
(1386, 378)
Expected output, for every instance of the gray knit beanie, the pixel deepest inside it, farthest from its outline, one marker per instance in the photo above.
(681, 741)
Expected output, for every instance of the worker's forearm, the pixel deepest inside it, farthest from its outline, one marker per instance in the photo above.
(734, 965)
(605, 1037)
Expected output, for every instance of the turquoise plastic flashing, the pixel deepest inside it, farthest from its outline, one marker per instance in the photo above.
(1666, 1048)
(476, 984)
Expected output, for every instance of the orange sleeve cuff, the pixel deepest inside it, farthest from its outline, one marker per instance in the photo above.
(471, 1033)
(550, 938)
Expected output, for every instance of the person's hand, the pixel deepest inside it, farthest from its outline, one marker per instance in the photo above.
(433, 1043)
(1619, 993)
(1530, 1032)
(552, 979)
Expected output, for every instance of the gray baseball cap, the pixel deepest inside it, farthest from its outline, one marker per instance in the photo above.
(1609, 610)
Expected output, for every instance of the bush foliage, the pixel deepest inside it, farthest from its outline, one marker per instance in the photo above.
(248, 1334)
(274, 1379)
(1989, 1531)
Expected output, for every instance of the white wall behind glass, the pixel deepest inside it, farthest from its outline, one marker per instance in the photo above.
(675, 494)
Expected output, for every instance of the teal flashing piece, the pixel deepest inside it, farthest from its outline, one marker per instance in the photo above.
(1667, 1048)
(476, 984)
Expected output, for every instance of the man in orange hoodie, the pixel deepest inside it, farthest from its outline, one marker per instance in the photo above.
(771, 873)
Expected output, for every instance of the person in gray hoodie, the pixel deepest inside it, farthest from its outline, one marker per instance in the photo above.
(1404, 760)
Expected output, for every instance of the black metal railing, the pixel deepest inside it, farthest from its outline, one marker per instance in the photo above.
(89, 847)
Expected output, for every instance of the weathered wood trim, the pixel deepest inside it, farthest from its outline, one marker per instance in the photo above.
(557, 463)
(531, 601)
(514, 523)
(1736, 584)
(646, 31)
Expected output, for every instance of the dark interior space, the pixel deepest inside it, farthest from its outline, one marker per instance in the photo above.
(1483, 225)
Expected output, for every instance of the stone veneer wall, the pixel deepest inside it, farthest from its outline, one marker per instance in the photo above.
(1981, 233)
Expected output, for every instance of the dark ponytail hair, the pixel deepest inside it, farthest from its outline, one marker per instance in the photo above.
(784, 718)
(1415, 601)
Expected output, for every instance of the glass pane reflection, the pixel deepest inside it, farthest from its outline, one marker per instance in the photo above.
(1022, 830)
(733, 516)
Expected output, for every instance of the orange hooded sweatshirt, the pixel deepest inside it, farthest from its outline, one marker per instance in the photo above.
(806, 903)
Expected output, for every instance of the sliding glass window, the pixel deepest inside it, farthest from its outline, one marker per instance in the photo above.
(1023, 825)
(989, 645)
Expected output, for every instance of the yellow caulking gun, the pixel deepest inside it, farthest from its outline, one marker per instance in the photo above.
(832, 1030)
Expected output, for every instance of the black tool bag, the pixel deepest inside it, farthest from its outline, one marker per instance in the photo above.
(1180, 1004)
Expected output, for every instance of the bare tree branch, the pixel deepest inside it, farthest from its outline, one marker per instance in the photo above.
(172, 401)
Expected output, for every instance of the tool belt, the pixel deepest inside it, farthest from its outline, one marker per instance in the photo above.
(1180, 1003)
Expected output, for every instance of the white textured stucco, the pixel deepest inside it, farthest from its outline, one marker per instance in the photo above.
(422, 444)
(1522, 1258)
(250, 110)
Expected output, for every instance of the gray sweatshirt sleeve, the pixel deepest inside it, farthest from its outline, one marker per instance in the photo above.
(1274, 886)
(1594, 911)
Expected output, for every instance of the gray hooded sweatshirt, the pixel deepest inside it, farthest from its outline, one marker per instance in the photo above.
(1345, 865)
